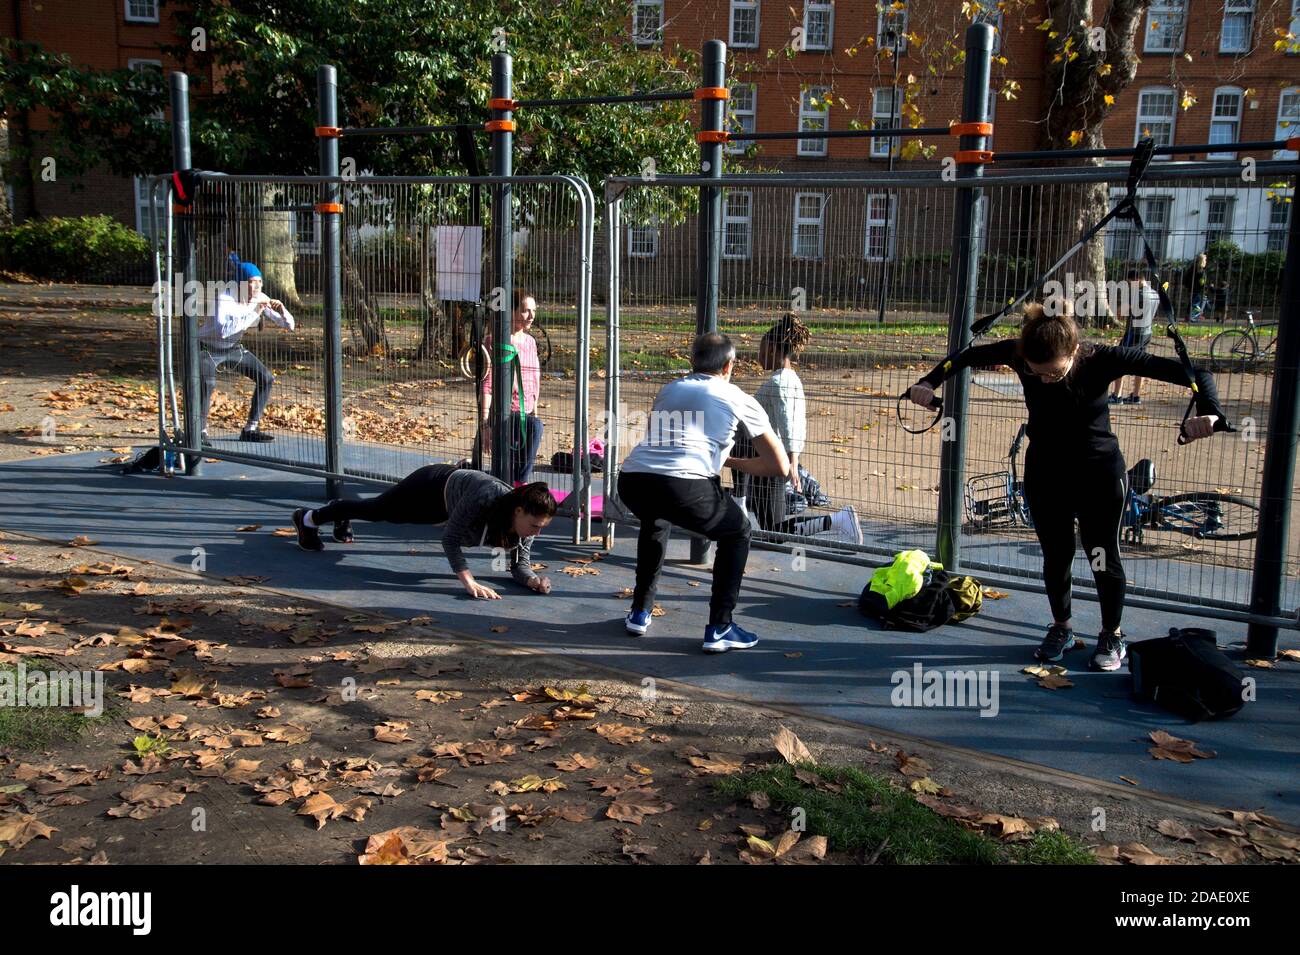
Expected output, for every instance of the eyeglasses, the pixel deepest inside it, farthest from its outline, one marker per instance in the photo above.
(1050, 377)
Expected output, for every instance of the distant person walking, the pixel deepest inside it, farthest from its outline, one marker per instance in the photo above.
(1138, 309)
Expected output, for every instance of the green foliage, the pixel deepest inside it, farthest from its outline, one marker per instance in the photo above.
(83, 249)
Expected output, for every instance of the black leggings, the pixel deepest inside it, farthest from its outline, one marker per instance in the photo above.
(765, 498)
(1095, 493)
(696, 505)
(420, 498)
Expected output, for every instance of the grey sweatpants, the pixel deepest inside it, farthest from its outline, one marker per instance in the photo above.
(243, 361)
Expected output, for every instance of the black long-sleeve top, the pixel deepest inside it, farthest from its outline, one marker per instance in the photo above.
(1072, 417)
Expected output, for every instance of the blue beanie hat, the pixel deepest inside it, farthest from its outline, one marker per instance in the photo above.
(244, 271)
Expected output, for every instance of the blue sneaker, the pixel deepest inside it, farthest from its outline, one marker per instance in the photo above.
(638, 622)
(729, 637)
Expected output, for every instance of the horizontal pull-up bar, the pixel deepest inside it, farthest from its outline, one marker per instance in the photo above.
(1127, 152)
(407, 130)
(595, 100)
(839, 134)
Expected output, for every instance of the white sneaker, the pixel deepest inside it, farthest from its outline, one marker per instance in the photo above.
(845, 526)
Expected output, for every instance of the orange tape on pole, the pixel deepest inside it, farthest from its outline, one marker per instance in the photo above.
(335, 208)
(712, 92)
(509, 104)
(500, 125)
(1293, 143)
(977, 156)
(181, 210)
(328, 132)
(970, 129)
(712, 136)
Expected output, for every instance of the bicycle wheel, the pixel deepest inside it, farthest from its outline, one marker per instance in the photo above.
(467, 362)
(1206, 515)
(543, 345)
(1234, 349)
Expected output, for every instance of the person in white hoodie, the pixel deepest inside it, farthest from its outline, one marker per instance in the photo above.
(219, 344)
(781, 396)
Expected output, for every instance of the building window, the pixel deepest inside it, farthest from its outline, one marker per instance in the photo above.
(814, 113)
(809, 212)
(1166, 24)
(143, 66)
(306, 231)
(1238, 26)
(643, 241)
(741, 109)
(144, 217)
(141, 11)
(1218, 220)
(1288, 121)
(1293, 44)
(1225, 120)
(737, 225)
(818, 22)
(744, 24)
(891, 26)
(647, 22)
(880, 228)
(1155, 117)
(1279, 222)
(884, 115)
(1122, 240)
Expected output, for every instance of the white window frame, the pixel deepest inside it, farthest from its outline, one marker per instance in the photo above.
(731, 218)
(731, 29)
(1146, 118)
(1123, 230)
(819, 221)
(139, 66)
(1224, 230)
(1279, 231)
(819, 6)
(810, 118)
(1237, 9)
(311, 244)
(885, 10)
(882, 147)
(739, 120)
(1293, 46)
(130, 17)
(875, 222)
(142, 222)
(1218, 119)
(635, 251)
(1161, 13)
(1290, 118)
(642, 39)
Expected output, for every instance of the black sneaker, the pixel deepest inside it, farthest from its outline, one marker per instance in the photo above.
(1110, 652)
(1059, 639)
(308, 537)
(255, 434)
(343, 532)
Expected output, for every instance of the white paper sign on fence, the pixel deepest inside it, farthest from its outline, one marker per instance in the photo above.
(460, 263)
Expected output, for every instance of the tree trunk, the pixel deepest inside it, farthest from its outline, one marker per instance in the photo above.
(1078, 80)
(369, 323)
(275, 249)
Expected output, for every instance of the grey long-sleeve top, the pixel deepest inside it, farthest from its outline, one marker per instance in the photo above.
(470, 495)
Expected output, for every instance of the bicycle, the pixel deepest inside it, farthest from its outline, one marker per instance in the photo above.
(466, 361)
(997, 499)
(1239, 348)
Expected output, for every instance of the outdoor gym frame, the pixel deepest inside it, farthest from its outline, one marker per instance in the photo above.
(975, 152)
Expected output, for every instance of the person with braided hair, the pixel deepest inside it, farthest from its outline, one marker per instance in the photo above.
(782, 397)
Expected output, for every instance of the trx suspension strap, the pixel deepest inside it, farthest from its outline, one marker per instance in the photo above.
(1126, 208)
(511, 354)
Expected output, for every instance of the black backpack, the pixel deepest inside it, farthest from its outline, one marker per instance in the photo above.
(932, 607)
(1187, 674)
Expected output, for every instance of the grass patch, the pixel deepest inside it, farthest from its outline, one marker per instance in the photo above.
(35, 727)
(868, 810)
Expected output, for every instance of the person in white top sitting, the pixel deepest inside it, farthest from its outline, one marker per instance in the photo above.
(219, 336)
(673, 477)
(781, 396)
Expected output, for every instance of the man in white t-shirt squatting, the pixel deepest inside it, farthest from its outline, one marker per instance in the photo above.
(673, 477)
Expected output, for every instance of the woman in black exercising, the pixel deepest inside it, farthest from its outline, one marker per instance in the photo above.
(476, 509)
(1073, 467)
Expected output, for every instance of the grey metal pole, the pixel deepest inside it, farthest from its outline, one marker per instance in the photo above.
(330, 208)
(1279, 459)
(502, 129)
(965, 270)
(894, 110)
(190, 384)
(713, 115)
